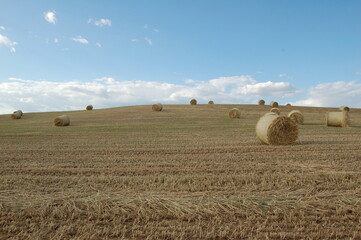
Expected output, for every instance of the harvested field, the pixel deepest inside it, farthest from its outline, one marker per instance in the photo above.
(183, 173)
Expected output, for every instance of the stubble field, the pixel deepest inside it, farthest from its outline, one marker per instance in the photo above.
(188, 172)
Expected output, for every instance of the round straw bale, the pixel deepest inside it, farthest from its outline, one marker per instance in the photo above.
(261, 102)
(296, 116)
(276, 130)
(193, 102)
(62, 120)
(337, 119)
(288, 105)
(157, 107)
(21, 112)
(89, 107)
(275, 110)
(274, 104)
(211, 102)
(234, 113)
(344, 108)
(16, 115)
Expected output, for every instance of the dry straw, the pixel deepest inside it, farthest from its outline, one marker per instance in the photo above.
(274, 104)
(62, 120)
(193, 102)
(276, 130)
(89, 107)
(261, 102)
(275, 110)
(234, 113)
(157, 107)
(296, 116)
(17, 114)
(337, 119)
(211, 102)
(344, 108)
(288, 105)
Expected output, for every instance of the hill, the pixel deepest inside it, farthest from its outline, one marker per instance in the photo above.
(188, 172)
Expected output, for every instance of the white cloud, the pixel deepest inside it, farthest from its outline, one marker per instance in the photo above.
(101, 22)
(30, 95)
(149, 41)
(334, 95)
(2, 28)
(56, 40)
(156, 30)
(281, 75)
(98, 45)
(80, 39)
(5, 41)
(135, 40)
(50, 17)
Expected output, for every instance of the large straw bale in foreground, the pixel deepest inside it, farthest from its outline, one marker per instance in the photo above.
(275, 110)
(193, 102)
(337, 119)
(62, 120)
(234, 113)
(276, 130)
(211, 102)
(89, 107)
(344, 108)
(17, 114)
(261, 102)
(157, 107)
(296, 116)
(274, 104)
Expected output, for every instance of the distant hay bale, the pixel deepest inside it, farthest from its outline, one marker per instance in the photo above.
(275, 110)
(261, 102)
(337, 119)
(211, 102)
(62, 120)
(193, 102)
(344, 108)
(21, 112)
(89, 107)
(234, 113)
(296, 116)
(157, 107)
(17, 115)
(274, 104)
(276, 130)
(288, 105)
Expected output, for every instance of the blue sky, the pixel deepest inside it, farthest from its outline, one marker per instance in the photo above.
(117, 53)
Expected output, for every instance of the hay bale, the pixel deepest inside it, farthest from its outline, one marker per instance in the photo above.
(21, 112)
(344, 108)
(261, 102)
(276, 130)
(89, 107)
(274, 104)
(157, 107)
(288, 105)
(275, 110)
(337, 119)
(234, 113)
(17, 115)
(62, 120)
(193, 102)
(211, 102)
(296, 116)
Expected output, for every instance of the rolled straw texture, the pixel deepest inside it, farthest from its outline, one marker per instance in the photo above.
(193, 102)
(234, 113)
(296, 116)
(344, 108)
(16, 115)
(276, 130)
(274, 104)
(337, 119)
(157, 107)
(62, 120)
(211, 102)
(261, 102)
(89, 107)
(275, 110)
